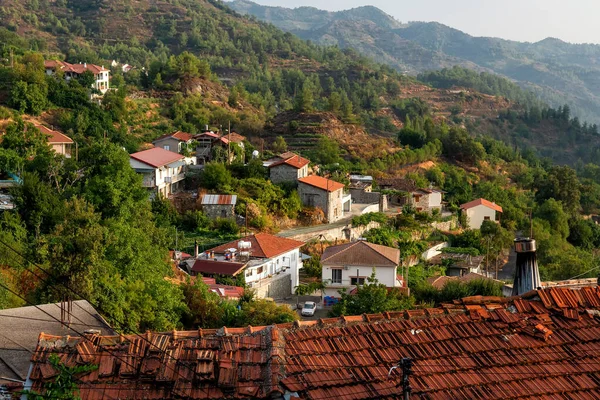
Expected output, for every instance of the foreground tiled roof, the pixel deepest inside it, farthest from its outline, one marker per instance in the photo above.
(542, 345)
(361, 253)
(263, 245)
(322, 183)
(156, 157)
(481, 202)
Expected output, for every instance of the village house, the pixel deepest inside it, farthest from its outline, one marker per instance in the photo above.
(60, 143)
(458, 264)
(288, 167)
(480, 210)
(163, 171)
(218, 205)
(204, 144)
(177, 142)
(347, 266)
(328, 195)
(70, 71)
(426, 200)
(270, 264)
(542, 345)
(20, 329)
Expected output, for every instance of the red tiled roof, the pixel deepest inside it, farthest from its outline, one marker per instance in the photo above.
(75, 68)
(233, 137)
(542, 345)
(481, 202)
(322, 183)
(156, 157)
(263, 245)
(181, 136)
(207, 133)
(294, 161)
(204, 266)
(361, 253)
(54, 136)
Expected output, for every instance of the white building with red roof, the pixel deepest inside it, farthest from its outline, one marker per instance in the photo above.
(60, 143)
(163, 171)
(480, 210)
(70, 71)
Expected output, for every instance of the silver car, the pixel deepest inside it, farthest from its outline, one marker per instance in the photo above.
(309, 309)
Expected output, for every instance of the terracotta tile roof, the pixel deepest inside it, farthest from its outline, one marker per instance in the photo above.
(361, 253)
(263, 245)
(439, 282)
(218, 199)
(233, 137)
(207, 133)
(156, 157)
(295, 161)
(54, 137)
(322, 183)
(481, 202)
(542, 345)
(181, 136)
(74, 68)
(211, 267)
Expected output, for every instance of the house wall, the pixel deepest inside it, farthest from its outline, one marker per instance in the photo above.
(102, 82)
(420, 201)
(278, 287)
(385, 275)
(286, 173)
(435, 200)
(63, 149)
(315, 197)
(214, 211)
(361, 196)
(476, 215)
(168, 143)
(159, 185)
(288, 263)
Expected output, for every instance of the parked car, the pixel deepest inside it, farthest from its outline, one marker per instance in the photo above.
(309, 309)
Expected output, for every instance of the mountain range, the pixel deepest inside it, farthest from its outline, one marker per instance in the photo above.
(558, 72)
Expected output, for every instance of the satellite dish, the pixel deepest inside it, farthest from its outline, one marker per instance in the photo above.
(255, 154)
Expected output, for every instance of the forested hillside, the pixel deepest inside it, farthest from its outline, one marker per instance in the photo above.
(87, 219)
(558, 72)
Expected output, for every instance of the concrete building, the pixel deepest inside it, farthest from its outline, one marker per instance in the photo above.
(288, 167)
(163, 170)
(218, 205)
(348, 265)
(481, 210)
(328, 195)
(70, 71)
(60, 143)
(176, 142)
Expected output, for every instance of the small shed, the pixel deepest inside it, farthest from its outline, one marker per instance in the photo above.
(219, 205)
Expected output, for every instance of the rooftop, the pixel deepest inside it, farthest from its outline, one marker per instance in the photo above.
(74, 68)
(263, 245)
(400, 184)
(361, 253)
(293, 160)
(322, 183)
(219, 199)
(156, 157)
(481, 202)
(54, 137)
(542, 345)
(220, 267)
(181, 136)
(20, 328)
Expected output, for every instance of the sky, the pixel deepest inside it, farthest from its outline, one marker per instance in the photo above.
(575, 21)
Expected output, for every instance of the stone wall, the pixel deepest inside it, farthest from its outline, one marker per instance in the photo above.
(276, 287)
(360, 196)
(315, 197)
(342, 232)
(214, 211)
(446, 225)
(283, 173)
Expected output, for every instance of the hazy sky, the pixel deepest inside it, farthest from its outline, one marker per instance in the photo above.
(576, 21)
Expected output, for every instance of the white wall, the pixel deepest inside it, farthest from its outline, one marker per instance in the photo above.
(289, 261)
(434, 251)
(385, 275)
(435, 199)
(476, 215)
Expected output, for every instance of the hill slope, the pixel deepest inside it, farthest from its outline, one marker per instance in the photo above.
(558, 72)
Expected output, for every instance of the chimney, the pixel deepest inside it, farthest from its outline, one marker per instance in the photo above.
(196, 249)
(85, 65)
(527, 274)
(206, 128)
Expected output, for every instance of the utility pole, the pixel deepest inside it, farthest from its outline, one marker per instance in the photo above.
(406, 364)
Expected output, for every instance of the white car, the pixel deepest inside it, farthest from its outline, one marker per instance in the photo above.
(309, 309)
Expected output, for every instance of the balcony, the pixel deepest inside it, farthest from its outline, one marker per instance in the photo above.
(175, 178)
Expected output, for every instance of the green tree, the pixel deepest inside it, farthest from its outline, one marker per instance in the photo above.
(553, 213)
(305, 99)
(216, 176)
(279, 145)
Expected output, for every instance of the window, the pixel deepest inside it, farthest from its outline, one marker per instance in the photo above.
(166, 147)
(357, 281)
(486, 218)
(260, 270)
(336, 276)
(417, 198)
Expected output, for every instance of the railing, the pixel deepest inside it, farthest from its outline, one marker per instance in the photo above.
(149, 182)
(175, 178)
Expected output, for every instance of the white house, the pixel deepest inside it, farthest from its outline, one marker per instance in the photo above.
(60, 143)
(481, 210)
(270, 264)
(163, 170)
(101, 74)
(348, 265)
